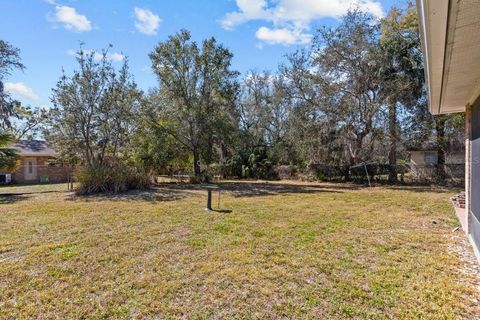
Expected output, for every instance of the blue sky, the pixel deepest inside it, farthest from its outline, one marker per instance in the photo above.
(258, 32)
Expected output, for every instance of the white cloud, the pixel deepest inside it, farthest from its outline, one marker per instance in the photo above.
(71, 52)
(20, 90)
(116, 56)
(248, 10)
(71, 19)
(292, 18)
(146, 22)
(98, 56)
(282, 36)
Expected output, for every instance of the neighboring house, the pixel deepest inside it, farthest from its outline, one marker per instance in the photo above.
(424, 161)
(450, 31)
(38, 163)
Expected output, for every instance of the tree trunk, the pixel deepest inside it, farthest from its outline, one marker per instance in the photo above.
(196, 163)
(208, 157)
(392, 155)
(440, 129)
(346, 172)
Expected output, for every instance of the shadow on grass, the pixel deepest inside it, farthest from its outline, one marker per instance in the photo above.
(153, 195)
(255, 189)
(12, 198)
(252, 189)
(424, 188)
(269, 189)
(175, 191)
(400, 186)
(22, 193)
(222, 210)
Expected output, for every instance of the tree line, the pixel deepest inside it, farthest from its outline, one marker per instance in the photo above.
(355, 95)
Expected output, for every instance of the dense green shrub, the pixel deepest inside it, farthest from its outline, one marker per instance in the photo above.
(198, 179)
(287, 171)
(252, 164)
(214, 169)
(8, 156)
(111, 176)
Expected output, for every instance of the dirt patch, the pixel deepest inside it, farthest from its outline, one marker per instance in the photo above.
(469, 266)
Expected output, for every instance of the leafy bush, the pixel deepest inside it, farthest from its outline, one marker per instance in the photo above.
(233, 166)
(8, 156)
(214, 169)
(325, 172)
(254, 164)
(197, 180)
(287, 171)
(112, 177)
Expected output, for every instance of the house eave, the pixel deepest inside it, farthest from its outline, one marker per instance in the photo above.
(450, 37)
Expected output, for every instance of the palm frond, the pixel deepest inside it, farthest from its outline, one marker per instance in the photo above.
(8, 156)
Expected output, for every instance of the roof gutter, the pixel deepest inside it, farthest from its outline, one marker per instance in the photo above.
(433, 25)
(425, 49)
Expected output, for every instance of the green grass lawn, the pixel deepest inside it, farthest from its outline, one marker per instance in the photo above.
(293, 251)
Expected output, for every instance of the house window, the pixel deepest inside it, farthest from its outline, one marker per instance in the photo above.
(30, 167)
(430, 158)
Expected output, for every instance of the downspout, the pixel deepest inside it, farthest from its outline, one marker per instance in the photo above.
(468, 162)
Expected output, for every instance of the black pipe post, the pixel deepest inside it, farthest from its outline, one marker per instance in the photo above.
(210, 189)
(209, 201)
